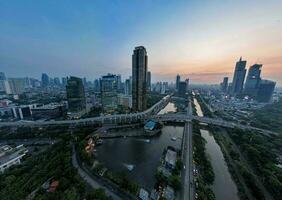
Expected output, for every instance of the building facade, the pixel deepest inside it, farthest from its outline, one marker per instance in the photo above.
(224, 85)
(75, 95)
(45, 80)
(109, 92)
(253, 80)
(139, 78)
(177, 82)
(149, 81)
(265, 90)
(239, 77)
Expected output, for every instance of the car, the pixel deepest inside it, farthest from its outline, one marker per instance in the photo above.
(183, 166)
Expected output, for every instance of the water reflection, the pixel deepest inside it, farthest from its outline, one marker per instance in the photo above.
(142, 153)
(223, 186)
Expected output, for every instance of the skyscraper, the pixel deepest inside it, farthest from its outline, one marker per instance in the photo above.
(182, 88)
(109, 97)
(139, 78)
(128, 87)
(177, 82)
(149, 81)
(45, 80)
(187, 84)
(224, 85)
(75, 94)
(17, 85)
(253, 80)
(2, 76)
(239, 77)
(265, 90)
(119, 83)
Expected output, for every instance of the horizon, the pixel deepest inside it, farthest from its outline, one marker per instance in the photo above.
(90, 39)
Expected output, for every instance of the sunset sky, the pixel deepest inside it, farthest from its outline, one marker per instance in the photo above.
(201, 40)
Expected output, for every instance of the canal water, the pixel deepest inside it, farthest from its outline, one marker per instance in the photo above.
(223, 187)
(142, 153)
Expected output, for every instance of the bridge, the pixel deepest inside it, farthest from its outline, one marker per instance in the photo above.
(150, 113)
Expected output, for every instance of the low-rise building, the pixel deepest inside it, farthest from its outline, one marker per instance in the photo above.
(11, 156)
(143, 194)
(170, 159)
(49, 111)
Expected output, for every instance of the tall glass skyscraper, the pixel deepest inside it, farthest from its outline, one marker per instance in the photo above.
(109, 88)
(253, 80)
(75, 94)
(139, 78)
(239, 77)
(45, 80)
(177, 82)
(265, 90)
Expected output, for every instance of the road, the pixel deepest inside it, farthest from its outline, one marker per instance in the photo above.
(94, 184)
(187, 152)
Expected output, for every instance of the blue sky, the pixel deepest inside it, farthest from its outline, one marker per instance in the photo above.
(199, 39)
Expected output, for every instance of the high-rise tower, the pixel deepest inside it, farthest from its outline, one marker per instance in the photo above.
(239, 77)
(253, 80)
(139, 78)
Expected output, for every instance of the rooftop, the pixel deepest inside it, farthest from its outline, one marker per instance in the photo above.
(170, 157)
(8, 153)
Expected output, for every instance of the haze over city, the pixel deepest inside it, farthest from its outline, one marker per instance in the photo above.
(200, 40)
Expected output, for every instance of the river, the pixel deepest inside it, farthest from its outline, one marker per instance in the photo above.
(142, 153)
(223, 187)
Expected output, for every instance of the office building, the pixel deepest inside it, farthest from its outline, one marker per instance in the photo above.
(182, 88)
(253, 80)
(177, 82)
(17, 85)
(49, 111)
(265, 90)
(128, 86)
(139, 78)
(5, 87)
(45, 80)
(21, 112)
(57, 81)
(187, 84)
(2, 76)
(75, 95)
(148, 81)
(239, 77)
(64, 81)
(109, 97)
(119, 83)
(224, 85)
(97, 85)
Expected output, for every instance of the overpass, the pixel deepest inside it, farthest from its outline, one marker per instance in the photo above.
(217, 122)
(150, 113)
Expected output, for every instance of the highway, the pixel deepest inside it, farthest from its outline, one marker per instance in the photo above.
(150, 113)
(187, 157)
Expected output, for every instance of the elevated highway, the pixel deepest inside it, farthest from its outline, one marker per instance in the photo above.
(150, 113)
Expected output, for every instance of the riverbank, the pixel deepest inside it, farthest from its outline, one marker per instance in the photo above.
(248, 183)
(218, 161)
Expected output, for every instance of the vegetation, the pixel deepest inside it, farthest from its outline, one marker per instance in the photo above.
(153, 98)
(262, 152)
(200, 156)
(20, 181)
(29, 132)
(206, 173)
(269, 117)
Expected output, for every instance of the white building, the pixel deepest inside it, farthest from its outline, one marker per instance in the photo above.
(11, 156)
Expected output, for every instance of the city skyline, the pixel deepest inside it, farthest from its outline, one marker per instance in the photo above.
(38, 38)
